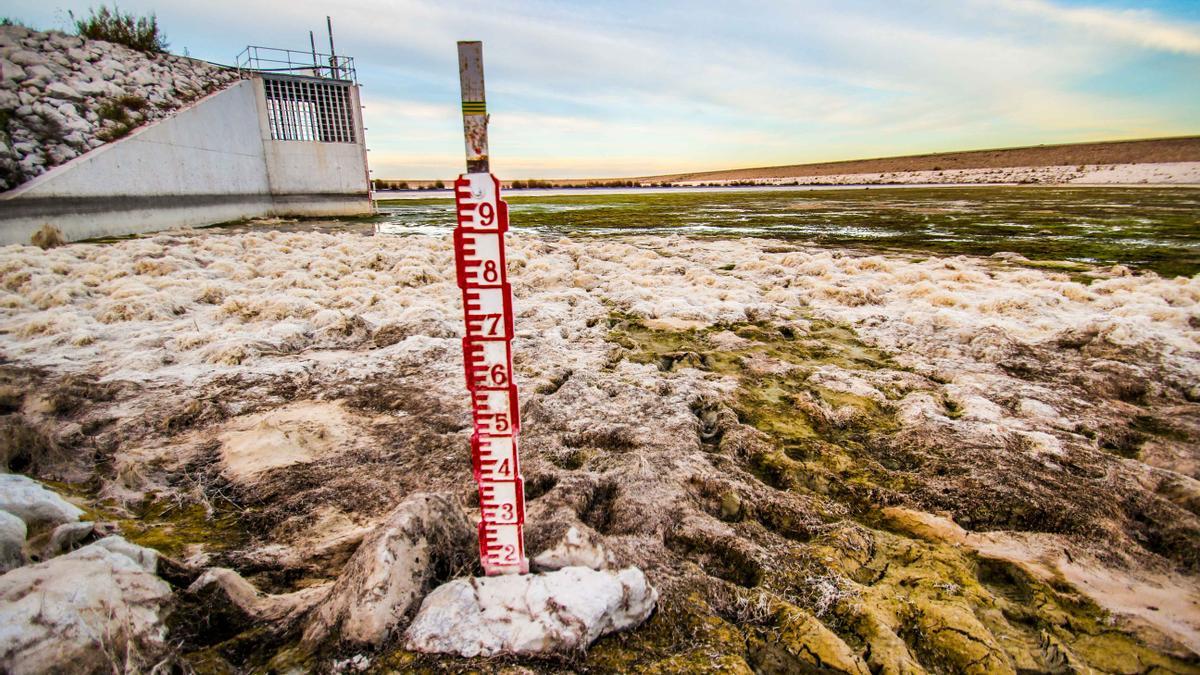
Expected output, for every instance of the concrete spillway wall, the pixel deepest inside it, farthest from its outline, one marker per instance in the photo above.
(217, 160)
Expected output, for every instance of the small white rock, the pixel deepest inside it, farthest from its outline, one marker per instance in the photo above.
(147, 558)
(31, 502)
(12, 541)
(71, 613)
(547, 613)
(575, 549)
(66, 536)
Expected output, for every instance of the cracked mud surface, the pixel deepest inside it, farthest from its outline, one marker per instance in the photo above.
(824, 460)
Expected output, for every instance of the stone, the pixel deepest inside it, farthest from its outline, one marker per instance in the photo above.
(146, 558)
(62, 91)
(11, 35)
(111, 65)
(33, 164)
(37, 74)
(575, 549)
(96, 88)
(357, 663)
(66, 536)
(31, 502)
(75, 139)
(26, 57)
(224, 594)
(61, 153)
(62, 41)
(530, 614)
(387, 576)
(77, 124)
(91, 610)
(143, 76)
(12, 541)
(11, 72)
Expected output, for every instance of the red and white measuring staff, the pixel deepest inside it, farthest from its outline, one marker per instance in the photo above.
(487, 357)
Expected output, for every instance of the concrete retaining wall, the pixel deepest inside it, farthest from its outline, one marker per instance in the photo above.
(212, 162)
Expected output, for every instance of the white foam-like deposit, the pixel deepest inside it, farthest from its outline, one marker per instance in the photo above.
(185, 306)
(183, 309)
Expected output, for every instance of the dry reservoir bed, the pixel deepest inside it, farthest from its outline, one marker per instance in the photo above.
(824, 459)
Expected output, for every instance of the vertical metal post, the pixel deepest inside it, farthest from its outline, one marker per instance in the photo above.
(474, 105)
(312, 43)
(333, 65)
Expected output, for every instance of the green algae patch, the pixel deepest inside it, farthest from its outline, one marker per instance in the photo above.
(172, 527)
(948, 610)
(816, 343)
(655, 645)
(857, 594)
(169, 526)
(1061, 229)
(819, 435)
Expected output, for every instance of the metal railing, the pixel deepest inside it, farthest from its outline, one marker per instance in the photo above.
(291, 61)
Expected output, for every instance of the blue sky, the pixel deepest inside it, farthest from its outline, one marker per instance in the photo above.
(623, 88)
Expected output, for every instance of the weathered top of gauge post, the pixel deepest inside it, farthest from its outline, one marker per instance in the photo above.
(474, 105)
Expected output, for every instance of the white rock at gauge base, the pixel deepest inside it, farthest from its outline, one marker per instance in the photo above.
(547, 613)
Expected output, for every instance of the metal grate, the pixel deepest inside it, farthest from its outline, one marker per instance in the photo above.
(300, 109)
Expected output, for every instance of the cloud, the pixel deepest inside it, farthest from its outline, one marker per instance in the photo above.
(1136, 27)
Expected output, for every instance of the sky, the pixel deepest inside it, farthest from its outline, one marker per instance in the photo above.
(632, 88)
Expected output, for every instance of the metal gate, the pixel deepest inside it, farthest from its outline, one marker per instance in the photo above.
(309, 109)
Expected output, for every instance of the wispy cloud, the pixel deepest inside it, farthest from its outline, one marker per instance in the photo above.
(1136, 27)
(803, 82)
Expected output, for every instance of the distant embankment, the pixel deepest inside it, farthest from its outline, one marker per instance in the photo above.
(1001, 161)
(1150, 161)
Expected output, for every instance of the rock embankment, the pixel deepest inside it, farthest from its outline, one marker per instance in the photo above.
(63, 95)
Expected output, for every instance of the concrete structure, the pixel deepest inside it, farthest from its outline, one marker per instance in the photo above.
(281, 145)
